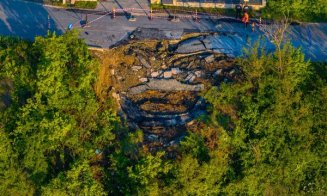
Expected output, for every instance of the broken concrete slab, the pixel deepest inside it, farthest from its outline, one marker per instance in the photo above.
(144, 62)
(175, 70)
(190, 46)
(210, 58)
(167, 74)
(155, 74)
(136, 68)
(143, 80)
(165, 85)
(190, 78)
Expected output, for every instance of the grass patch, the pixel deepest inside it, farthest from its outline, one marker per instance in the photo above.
(86, 4)
(49, 2)
(265, 13)
(78, 4)
(181, 9)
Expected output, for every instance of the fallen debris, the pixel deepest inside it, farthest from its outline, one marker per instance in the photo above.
(165, 85)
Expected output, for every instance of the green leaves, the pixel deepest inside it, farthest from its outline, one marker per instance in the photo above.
(77, 181)
(147, 172)
(54, 121)
(265, 135)
(276, 125)
(303, 10)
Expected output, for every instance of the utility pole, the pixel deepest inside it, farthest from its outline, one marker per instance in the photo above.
(196, 15)
(113, 13)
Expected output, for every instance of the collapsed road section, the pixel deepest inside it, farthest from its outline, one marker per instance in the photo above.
(159, 87)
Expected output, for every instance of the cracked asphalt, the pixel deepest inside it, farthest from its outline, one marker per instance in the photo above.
(27, 20)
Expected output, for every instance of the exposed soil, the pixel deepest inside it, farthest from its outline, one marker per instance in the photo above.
(165, 102)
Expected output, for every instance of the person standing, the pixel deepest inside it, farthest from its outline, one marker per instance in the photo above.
(245, 19)
(238, 11)
(246, 8)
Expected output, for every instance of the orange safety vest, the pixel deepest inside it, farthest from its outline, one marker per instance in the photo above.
(245, 18)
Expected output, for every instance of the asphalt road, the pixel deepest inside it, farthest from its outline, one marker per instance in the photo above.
(27, 20)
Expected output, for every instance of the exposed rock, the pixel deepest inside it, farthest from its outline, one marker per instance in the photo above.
(218, 72)
(155, 74)
(143, 80)
(112, 71)
(175, 70)
(168, 74)
(136, 68)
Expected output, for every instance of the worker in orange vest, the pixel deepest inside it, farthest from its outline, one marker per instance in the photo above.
(245, 19)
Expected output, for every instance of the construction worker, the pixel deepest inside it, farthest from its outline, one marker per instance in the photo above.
(245, 19)
(238, 11)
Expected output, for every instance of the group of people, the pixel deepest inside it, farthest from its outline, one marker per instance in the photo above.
(245, 10)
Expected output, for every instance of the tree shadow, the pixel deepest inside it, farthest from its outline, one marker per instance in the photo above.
(25, 19)
(127, 15)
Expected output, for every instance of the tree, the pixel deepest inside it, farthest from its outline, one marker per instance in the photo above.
(54, 119)
(278, 125)
(77, 181)
(303, 10)
(13, 180)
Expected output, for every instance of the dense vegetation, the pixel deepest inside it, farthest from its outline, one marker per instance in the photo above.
(301, 10)
(266, 134)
